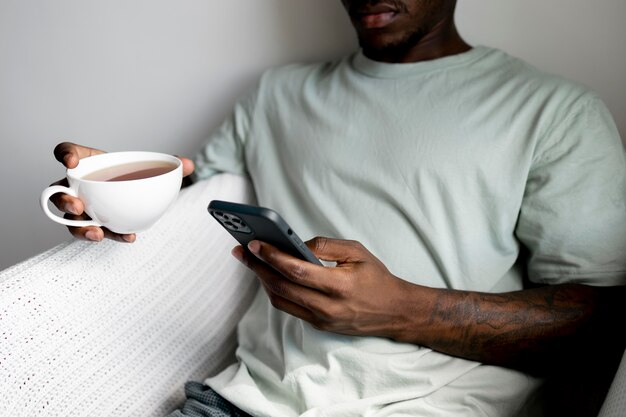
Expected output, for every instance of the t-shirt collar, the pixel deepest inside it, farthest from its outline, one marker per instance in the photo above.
(379, 69)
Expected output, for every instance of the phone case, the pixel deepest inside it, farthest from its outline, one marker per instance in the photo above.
(246, 222)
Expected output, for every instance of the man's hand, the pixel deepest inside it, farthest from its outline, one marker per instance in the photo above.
(70, 154)
(534, 329)
(357, 297)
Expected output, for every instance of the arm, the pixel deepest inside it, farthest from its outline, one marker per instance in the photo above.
(524, 329)
(535, 329)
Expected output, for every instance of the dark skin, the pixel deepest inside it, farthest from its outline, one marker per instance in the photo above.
(540, 329)
(401, 31)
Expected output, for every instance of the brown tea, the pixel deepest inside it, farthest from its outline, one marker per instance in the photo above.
(131, 171)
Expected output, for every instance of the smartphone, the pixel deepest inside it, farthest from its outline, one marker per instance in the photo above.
(247, 222)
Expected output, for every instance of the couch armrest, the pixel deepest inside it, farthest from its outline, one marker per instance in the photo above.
(615, 402)
(111, 329)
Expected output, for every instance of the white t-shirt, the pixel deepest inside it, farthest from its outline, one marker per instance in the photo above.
(466, 172)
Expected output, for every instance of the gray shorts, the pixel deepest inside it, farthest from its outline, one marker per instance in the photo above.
(202, 401)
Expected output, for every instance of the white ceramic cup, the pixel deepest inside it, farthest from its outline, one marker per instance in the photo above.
(123, 207)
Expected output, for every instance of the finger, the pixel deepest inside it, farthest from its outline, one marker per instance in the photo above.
(338, 250)
(188, 165)
(292, 308)
(97, 234)
(69, 153)
(260, 268)
(68, 204)
(296, 270)
(90, 233)
(124, 238)
(74, 208)
(278, 285)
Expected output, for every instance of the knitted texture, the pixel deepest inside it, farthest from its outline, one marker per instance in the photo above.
(112, 329)
(615, 402)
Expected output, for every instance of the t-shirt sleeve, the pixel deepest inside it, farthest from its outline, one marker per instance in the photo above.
(223, 151)
(573, 215)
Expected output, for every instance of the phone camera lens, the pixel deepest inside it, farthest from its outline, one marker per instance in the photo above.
(232, 222)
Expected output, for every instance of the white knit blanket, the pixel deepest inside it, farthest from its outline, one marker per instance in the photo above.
(112, 329)
(615, 402)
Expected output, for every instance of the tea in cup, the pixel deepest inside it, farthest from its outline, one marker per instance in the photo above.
(126, 192)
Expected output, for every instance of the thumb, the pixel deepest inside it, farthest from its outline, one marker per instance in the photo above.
(69, 153)
(338, 250)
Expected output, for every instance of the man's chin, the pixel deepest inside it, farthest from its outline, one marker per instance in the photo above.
(379, 45)
(381, 51)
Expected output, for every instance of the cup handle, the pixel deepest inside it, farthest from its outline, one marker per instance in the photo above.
(45, 197)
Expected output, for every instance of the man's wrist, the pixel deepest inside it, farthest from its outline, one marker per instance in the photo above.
(415, 305)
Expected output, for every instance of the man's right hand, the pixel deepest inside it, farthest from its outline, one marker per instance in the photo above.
(69, 154)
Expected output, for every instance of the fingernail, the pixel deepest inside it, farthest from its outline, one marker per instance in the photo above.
(237, 254)
(71, 209)
(93, 235)
(67, 159)
(129, 238)
(254, 246)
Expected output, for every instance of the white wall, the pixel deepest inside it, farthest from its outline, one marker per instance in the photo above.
(579, 39)
(131, 74)
(159, 75)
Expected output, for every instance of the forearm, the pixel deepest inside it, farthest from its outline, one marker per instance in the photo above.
(361, 297)
(516, 329)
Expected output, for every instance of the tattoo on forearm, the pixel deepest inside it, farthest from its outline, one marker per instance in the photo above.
(505, 327)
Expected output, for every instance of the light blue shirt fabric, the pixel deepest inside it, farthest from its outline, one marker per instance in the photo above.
(466, 172)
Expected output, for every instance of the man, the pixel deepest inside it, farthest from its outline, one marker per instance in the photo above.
(490, 198)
